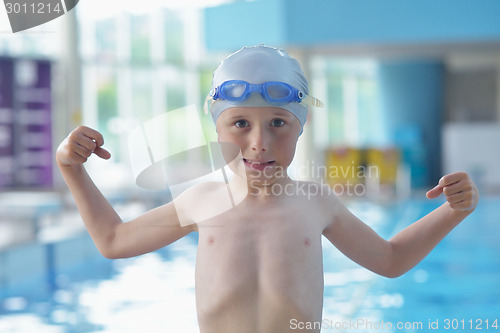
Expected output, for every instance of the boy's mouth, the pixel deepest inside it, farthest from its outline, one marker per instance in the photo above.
(258, 165)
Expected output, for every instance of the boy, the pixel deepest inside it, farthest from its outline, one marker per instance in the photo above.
(259, 264)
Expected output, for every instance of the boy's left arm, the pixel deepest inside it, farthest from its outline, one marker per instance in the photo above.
(406, 249)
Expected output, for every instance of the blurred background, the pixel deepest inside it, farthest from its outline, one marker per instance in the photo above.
(411, 88)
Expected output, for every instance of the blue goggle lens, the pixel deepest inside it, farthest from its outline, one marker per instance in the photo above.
(280, 92)
(232, 90)
(272, 91)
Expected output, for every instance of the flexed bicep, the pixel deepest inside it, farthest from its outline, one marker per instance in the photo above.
(148, 232)
(358, 241)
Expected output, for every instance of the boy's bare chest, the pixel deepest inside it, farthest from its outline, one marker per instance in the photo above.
(272, 252)
(264, 236)
(260, 224)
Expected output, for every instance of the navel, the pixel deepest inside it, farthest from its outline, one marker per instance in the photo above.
(211, 240)
(307, 241)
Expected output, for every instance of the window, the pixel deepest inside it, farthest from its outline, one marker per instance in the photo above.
(349, 90)
(136, 66)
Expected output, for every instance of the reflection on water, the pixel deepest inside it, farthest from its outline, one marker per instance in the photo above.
(458, 279)
(144, 294)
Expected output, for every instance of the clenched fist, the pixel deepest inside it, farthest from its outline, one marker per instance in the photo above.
(79, 145)
(459, 189)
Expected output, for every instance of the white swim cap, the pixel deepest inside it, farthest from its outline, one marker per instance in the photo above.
(256, 65)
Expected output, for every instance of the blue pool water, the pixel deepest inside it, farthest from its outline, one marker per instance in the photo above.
(68, 287)
(456, 286)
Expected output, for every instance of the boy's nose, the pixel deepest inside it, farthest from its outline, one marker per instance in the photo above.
(259, 139)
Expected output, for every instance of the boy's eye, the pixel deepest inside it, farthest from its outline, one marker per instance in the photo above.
(241, 123)
(277, 122)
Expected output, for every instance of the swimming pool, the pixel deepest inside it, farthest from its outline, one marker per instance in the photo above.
(68, 287)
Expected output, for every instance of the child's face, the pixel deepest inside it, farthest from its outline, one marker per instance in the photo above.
(267, 137)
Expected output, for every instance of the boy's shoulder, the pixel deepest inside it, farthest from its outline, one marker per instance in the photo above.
(318, 199)
(205, 200)
(316, 189)
(300, 188)
(317, 193)
(205, 192)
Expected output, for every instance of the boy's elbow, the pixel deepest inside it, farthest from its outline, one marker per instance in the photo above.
(394, 271)
(388, 273)
(107, 247)
(108, 254)
(395, 265)
(114, 251)
(392, 274)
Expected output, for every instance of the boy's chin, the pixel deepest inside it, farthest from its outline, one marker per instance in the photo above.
(267, 177)
(261, 181)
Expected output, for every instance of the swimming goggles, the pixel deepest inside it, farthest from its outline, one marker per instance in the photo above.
(273, 92)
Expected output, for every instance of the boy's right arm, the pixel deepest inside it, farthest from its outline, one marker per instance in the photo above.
(113, 238)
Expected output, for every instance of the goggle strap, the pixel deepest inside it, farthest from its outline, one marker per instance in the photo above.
(307, 101)
(205, 104)
(312, 101)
